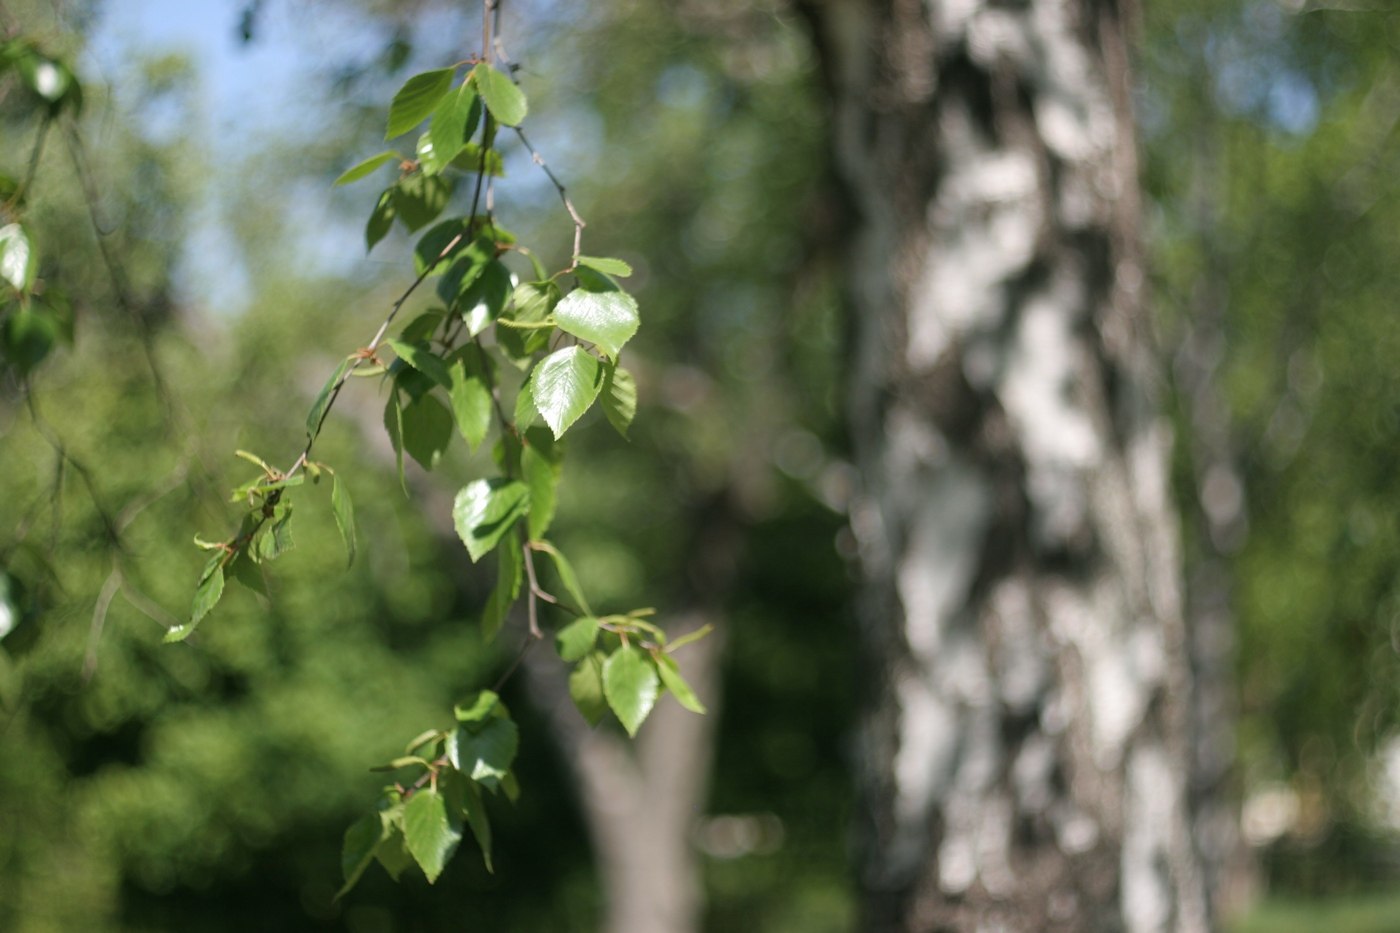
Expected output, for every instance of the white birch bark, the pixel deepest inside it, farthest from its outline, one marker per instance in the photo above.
(1025, 764)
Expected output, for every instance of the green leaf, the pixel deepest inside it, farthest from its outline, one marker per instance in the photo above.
(367, 167)
(479, 707)
(673, 681)
(606, 265)
(575, 641)
(422, 328)
(465, 271)
(525, 412)
(482, 302)
(393, 852)
(484, 752)
(463, 796)
(470, 160)
(566, 575)
(206, 597)
(357, 851)
(505, 101)
(417, 99)
(509, 577)
(564, 385)
(607, 319)
(454, 121)
(393, 426)
(470, 393)
(586, 688)
(420, 198)
(619, 398)
(18, 259)
(381, 219)
(427, 430)
(430, 832)
(344, 511)
(486, 509)
(438, 246)
(275, 537)
(243, 569)
(630, 684)
(323, 399)
(592, 280)
(422, 359)
(541, 463)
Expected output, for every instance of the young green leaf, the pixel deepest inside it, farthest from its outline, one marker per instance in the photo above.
(486, 509)
(243, 569)
(673, 681)
(381, 219)
(564, 385)
(435, 249)
(416, 100)
(504, 100)
(323, 398)
(566, 574)
(344, 511)
(357, 851)
(575, 641)
(630, 684)
(586, 688)
(608, 319)
(478, 708)
(206, 597)
(18, 259)
(367, 167)
(619, 398)
(430, 832)
(606, 265)
(509, 577)
(424, 360)
(470, 393)
(484, 752)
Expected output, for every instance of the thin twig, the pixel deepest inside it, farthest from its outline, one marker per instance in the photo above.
(563, 194)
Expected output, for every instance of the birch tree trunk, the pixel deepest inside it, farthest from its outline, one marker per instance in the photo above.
(1026, 758)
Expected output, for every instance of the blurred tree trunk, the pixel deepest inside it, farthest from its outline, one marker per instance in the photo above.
(1025, 762)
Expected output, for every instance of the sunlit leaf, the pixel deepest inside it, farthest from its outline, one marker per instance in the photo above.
(17, 257)
(454, 120)
(541, 462)
(484, 300)
(607, 319)
(504, 100)
(422, 359)
(567, 576)
(462, 794)
(206, 597)
(575, 641)
(416, 100)
(484, 752)
(486, 509)
(564, 385)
